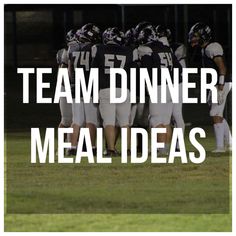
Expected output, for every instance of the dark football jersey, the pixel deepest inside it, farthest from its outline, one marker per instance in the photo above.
(211, 51)
(157, 55)
(110, 56)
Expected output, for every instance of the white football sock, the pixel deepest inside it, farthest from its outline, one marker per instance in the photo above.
(167, 147)
(183, 128)
(179, 123)
(219, 135)
(227, 133)
(68, 137)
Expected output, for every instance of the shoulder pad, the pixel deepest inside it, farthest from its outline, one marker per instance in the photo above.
(180, 52)
(144, 50)
(213, 50)
(164, 41)
(135, 54)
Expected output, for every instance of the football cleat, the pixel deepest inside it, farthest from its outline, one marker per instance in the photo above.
(111, 153)
(94, 151)
(128, 152)
(219, 150)
(162, 152)
(71, 152)
(229, 147)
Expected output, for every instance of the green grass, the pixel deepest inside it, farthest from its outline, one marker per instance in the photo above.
(115, 197)
(118, 222)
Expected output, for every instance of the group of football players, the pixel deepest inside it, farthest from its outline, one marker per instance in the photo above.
(144, 46)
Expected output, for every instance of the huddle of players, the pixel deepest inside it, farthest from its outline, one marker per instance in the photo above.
(141, 47)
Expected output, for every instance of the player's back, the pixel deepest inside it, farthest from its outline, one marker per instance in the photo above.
(157, 55)
(162, 55)
(111, 56)
(81, 57)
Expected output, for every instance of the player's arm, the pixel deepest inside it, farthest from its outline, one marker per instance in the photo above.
(64, 59)
(58, 58)
(183, 63)
(219, 61)
(216, 53)
(95, 59)
(180, 54)
(70, 65)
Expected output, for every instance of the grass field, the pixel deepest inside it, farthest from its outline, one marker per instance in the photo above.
(114, 197)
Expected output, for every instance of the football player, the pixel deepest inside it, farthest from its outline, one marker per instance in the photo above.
(80, 56)
(62, 61)
(139, 27)
(165, 36)
(213, 57)
(154, 54)
(130, 41)
(112, 54)
(129, 38)
(139, 111)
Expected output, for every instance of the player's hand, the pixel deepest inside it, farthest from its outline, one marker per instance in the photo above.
(220, 97)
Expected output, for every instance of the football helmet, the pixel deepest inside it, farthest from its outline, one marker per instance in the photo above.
(113, 35)
(142, 25)
(146, 35)
(90, 33)
(163, 31)
(199, 34)
(70, 36)
(130, 37)
(78, 35)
